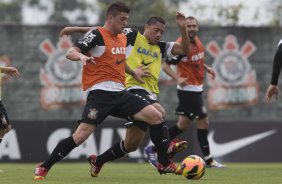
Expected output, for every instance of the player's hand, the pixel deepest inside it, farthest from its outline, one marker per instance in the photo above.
(67, 31)
(181, 20)
(211, 72)
(140, 72)
(11, 71)
(182, 82)
(272, 90)
(85, 59)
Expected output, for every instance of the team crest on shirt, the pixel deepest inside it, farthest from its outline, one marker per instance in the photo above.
(60, 77)
(92, 114)
(235, 83)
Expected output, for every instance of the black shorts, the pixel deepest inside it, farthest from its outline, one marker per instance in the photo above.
(4, 119)
(191, 104)
(142, 125)
(101, 104)
(145, 94)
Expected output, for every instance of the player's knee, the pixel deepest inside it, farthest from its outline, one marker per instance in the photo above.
(149, 115)
(159, 108)
(156, 118)
(162, 111)
(79, 138)
(182, 125)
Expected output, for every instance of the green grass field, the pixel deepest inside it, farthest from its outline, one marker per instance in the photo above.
(132, 173)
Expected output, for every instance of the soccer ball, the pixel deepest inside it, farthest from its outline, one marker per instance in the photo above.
(193, 167)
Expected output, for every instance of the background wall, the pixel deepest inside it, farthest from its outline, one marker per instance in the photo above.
(33, 141)
(46, 100)
(24, 97)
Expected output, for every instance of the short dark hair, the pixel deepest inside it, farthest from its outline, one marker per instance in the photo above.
(115, 8)
(154, 20)
(192, 18)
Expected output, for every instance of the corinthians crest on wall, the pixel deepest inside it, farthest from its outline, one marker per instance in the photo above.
(235, 83)
(60, 77)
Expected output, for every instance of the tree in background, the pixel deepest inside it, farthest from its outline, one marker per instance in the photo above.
(275, 6)
(142, 10)
(230, 15)
(84, 11)
(10, 11)
(65, 11)
(217, 14)
(90, 12)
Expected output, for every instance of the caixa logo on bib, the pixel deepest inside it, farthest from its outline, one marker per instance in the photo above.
(235, 83)
(61, 78)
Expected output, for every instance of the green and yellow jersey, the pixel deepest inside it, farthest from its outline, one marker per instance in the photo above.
(140, 52)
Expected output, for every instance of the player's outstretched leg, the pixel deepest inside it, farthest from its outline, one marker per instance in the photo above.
(174, 147)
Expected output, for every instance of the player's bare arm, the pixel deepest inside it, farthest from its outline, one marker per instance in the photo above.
(11, 71)
(75, 54)
(168, 70)
(183, 47)
(273, 89)
(70, 30)
(138, 73)
(210, 71)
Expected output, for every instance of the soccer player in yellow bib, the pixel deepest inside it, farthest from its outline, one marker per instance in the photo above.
(144, 53)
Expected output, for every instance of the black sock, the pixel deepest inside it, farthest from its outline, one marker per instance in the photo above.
(166, 134)
(0, 140)
(62, 149)
(204, 143)
(161, 140)
(115, 152)
(174, 131)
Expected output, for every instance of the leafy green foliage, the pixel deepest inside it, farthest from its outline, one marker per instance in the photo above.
(142, 10)
(10, 11)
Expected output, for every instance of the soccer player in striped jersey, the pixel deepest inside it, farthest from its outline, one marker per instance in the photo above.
(5, 125)
(276, 69)
(103, 53)
(190, 77)
(144, 51)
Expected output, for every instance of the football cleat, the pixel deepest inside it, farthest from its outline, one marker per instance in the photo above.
(215, 164)
(170, 168)
(151, 154)
(40, 173)
(95, 169)
(175, 147)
